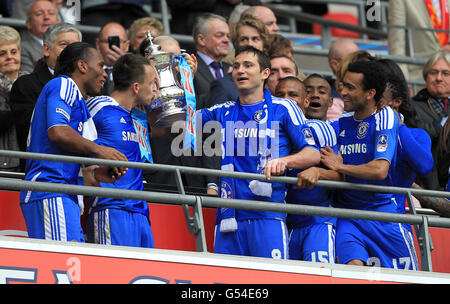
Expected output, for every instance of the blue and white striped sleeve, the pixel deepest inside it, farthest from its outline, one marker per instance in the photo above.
(324, 134)
(386, 134)
(61, 97)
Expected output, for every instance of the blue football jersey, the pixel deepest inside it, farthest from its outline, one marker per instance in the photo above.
(361, 141)
(115, 128)
(287, 136)
(324, 135)
(59, 104)
(413, 157)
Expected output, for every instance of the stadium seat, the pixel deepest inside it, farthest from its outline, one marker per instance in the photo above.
(337, 32)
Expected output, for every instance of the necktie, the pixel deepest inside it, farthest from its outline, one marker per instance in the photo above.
(217, 67)
(445, 102)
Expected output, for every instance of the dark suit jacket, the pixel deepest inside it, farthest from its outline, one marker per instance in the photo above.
(202, 81)
(24, 94)
(30, 51)
(222, 90)
(162, 154)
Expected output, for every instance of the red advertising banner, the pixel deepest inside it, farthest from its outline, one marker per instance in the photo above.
(37, 261)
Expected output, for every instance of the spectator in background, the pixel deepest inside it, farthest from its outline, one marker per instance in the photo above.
(137, 31)
(247, 31)
(264, 14)
(25, 91)
(212, 37)
(339, 49)
(280, 45)
(431, 105)
(9, 72)
(418, 14)
(40, 15)
(234, 17)
(281, 66)
(109, 53)
(293, 88)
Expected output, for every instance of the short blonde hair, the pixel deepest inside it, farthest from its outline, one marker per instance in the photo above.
(255, 23)
(432, 60)
(8, 35)
(145, 21)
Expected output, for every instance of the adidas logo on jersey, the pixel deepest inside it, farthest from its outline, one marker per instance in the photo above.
(342, 134)
(122, 120)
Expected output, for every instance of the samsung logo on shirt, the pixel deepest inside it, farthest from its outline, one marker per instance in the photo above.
(353, 149)
(129, 136)
(253, 133)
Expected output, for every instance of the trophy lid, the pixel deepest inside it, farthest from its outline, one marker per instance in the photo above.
(151, 49)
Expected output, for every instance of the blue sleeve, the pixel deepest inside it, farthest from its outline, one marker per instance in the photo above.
(416, 145)
(386, 135)
(294, 122)
(213, 113)
(59, 108)
(324, 135)
(335, 125)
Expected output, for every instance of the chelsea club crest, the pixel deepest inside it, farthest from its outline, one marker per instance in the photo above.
(362, 130)
(260, 116)
(225, 190)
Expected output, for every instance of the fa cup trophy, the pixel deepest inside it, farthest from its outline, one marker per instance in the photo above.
(171, 104)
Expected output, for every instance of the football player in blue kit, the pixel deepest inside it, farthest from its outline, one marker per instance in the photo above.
(114, 221)
(61, 124)
(367, 143)
(312, 238)
(260, 134)
(440, 204)
(414, 155)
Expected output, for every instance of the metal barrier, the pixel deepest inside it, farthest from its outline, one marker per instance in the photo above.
(195, 222)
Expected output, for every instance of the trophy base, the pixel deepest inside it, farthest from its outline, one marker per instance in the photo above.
(166, 119)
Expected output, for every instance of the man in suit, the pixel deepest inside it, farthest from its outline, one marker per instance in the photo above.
(264, 14)
(26, 89)
(111, 54)
(40, 15)
(425, 43)
(212, 38)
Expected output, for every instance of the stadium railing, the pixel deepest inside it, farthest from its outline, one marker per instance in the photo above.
(420, 222)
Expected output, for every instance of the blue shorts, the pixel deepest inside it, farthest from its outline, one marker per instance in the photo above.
(383, 244)
(313, 243)
(56, 218)
(256, 237)
(119, 227)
